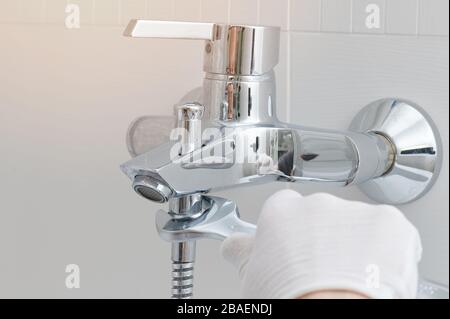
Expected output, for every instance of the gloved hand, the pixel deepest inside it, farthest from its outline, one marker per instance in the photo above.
(321, 243)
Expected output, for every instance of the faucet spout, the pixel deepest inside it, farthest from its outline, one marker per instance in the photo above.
(259, 154)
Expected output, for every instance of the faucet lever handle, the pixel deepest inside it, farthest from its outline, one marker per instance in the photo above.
(230, 49)
(169, 29)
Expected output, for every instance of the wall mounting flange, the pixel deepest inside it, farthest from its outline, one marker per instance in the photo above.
(417, 146)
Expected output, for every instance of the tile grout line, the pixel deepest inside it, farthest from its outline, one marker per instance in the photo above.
(421, 36)
(65, 13)
(172, 9)
(372, 34)
(21, 15)
(320, 14)
(418, 7)
(43, 11)
(93, 13)
(258, 12)
(351, 16)
(147, 9)
(119, 12)
(288, 63)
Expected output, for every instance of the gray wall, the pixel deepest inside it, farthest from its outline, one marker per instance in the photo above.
(68, 95)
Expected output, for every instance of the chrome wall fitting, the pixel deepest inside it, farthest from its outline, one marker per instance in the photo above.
(392, 149)
(417, 150)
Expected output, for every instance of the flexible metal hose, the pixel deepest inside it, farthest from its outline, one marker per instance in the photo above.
(182, 280)
(183, 257)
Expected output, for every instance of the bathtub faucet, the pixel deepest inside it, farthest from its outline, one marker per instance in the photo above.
(391, 150)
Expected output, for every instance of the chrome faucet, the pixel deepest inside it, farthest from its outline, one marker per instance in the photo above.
(392, 149)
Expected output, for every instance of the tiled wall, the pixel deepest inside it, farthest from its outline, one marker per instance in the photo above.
(412, 17)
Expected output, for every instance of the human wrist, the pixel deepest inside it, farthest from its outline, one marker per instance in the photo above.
(333, 294)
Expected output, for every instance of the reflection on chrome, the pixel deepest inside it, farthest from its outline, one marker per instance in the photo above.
(392, 149)
(231, 155)
(232, 137)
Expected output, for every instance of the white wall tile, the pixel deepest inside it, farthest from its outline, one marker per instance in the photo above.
(362, 13)
(305, 15)
(133, 9)
(434, 17)
(215, 10)
(55, 11)
(86, 11)
(244, 11)
(107, 12)
(10, 11)
(401, 16)
(336, 15)
(32, 11)
(274, 13)
(188, 10)
(161, 9)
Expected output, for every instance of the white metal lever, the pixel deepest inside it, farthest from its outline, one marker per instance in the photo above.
(169, 29)
(229, 49)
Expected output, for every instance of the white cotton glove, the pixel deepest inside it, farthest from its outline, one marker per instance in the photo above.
(321, 242)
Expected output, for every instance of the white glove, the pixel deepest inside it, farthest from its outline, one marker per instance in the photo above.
(321, 242)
